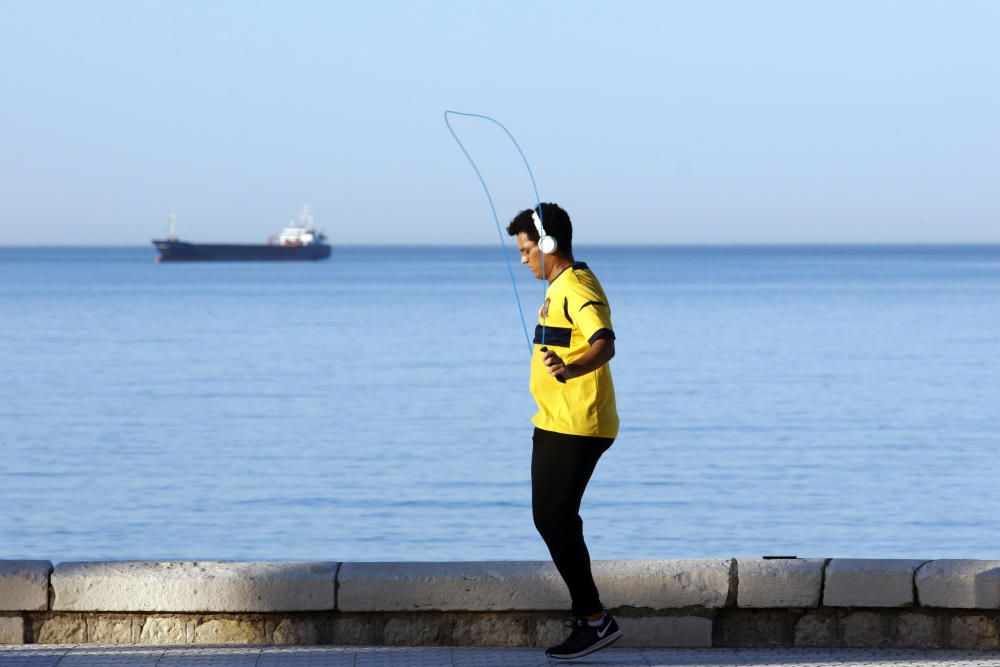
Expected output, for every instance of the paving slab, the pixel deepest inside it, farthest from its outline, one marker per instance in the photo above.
(112, 656)
(342, 656)
(719, 657)
(307, 656)
(32, 656)
(210, 657)
(400, 657)
(477, 657)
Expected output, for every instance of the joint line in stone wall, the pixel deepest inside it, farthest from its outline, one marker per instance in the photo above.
(916, 591)
(822, 583)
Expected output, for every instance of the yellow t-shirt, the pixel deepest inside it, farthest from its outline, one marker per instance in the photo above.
(578, 314)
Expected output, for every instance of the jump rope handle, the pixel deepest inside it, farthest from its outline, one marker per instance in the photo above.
(558, 377)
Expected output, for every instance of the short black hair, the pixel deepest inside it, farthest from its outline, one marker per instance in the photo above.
(555, 222)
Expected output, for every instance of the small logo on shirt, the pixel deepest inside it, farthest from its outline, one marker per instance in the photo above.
(544, 312)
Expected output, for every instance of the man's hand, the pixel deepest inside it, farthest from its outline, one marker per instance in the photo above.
(601, 352)
(556, 366)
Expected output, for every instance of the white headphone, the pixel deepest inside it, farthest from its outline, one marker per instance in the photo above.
(547, 244)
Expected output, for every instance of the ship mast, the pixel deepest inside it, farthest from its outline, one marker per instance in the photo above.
(305, 218)
(172, 227)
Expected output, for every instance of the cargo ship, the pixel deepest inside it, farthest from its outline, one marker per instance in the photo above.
(299, 241)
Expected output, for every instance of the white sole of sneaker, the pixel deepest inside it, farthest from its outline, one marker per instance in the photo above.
(597, 646)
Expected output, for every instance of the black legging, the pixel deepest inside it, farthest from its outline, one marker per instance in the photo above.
(561, 466)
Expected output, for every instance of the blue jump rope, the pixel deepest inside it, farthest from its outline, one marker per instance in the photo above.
(489, 198)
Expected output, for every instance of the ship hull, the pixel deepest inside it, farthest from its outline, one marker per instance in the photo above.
(181, 251)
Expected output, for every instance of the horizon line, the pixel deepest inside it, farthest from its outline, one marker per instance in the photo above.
(701, 244)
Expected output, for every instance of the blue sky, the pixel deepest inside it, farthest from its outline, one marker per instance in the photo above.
(651, 122)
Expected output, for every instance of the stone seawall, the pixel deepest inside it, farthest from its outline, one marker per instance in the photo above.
(741, 602)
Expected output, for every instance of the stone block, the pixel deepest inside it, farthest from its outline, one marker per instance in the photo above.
(959, 584)
(416, 630)
(865, 629)
(663, 584)
(201, 586)
(973, 632)
(501, 586)
(164, 630)
(776, 583)
(110, 630)
(869, 582)
(665, 632)
(59, 629)
(11, 630)
(24, 585)
(500, 630)
(229, 631)
(549, 632)
(816, 630)
(754, 628)
(358, 629)
(915, 630)
(298, 632)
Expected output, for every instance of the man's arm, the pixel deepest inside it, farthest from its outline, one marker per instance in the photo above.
(601, 351)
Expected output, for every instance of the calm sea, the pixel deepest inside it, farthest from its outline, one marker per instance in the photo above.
(810, 401)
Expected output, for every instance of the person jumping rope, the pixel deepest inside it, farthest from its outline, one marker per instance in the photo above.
(577, 420)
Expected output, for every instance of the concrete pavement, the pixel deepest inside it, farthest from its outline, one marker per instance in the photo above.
(91, 655)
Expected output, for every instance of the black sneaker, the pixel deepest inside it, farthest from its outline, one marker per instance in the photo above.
(585, 639)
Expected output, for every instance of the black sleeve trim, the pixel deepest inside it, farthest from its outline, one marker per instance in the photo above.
(592, 303)
(602, 333)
